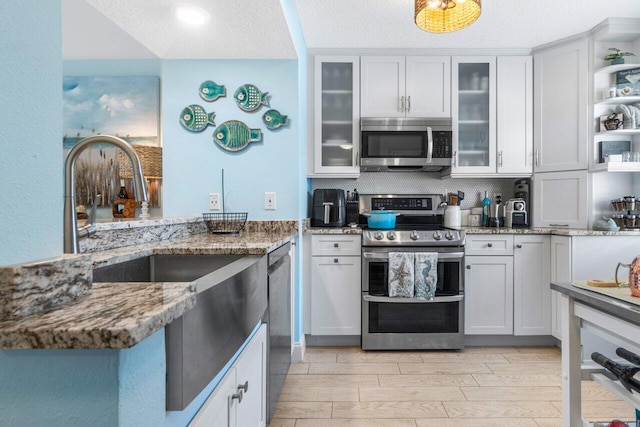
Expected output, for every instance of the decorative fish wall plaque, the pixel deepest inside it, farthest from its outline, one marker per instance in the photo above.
(234, 135)
(196, 119)
(249, 98)
(273, 119)
(210, 91)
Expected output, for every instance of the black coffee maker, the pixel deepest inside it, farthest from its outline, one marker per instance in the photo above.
(522, 190)
(328, 208)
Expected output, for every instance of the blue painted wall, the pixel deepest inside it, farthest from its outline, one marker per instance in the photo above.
(64, 388)
(30, 130)
(295, 29)
(193, 164)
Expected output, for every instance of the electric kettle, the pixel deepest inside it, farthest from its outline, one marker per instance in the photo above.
(634, 276)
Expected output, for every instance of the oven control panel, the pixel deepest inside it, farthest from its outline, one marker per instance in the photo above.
(443, 237)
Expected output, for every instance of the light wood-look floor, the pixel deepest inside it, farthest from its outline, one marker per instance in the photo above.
(507, 386)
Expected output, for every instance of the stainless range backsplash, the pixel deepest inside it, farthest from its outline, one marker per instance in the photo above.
(421, 183)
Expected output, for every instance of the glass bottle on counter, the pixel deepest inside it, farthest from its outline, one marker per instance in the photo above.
(122, 194)
(486, 207)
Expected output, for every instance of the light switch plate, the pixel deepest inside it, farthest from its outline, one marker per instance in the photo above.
(214, 201)
(270, 201)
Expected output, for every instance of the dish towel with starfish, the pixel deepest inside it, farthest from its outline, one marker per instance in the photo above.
(426, 275)
(401, 274)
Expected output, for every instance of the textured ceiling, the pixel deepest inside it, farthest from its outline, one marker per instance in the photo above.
(237, 29)
(502, 24)
(113, 29)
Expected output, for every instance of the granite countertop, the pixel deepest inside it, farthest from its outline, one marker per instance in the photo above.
(613, 306)
(113, 315)
(245, 243)
(119, 315)
(493, 230)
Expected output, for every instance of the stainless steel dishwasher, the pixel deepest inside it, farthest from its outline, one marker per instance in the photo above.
(278, 319)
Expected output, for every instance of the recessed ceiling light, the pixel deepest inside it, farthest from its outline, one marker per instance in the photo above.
(191, 15)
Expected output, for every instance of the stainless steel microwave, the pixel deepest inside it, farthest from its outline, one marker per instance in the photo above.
(405, 144)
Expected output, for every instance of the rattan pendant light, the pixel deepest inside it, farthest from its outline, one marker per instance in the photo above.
(445, 16)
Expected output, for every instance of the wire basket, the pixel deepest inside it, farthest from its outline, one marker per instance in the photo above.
(225, 223)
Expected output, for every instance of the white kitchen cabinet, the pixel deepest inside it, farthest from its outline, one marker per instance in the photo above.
(514, 116)
(488, 295)
(492, 109)
(561, 199)
(531, 291)
(336, 121)
(561, 107)
(474, 115)
(335, 286)
(507, 285)
(560, 272)
(399, 86)
(239, 400)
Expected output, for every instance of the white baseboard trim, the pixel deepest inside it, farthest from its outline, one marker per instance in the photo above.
(299, 348)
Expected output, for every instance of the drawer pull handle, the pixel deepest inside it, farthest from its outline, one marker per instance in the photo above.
(519, 245)
(237, 396)
(335, 260)
(468, 267)
(335, 245)
(559, 225)
(489, 245)
(244, 387)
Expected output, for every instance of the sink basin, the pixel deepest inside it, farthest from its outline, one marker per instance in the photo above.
(231, 300)
(163, 268)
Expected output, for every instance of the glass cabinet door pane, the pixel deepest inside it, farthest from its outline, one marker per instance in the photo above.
(337, 114)
(473, 114)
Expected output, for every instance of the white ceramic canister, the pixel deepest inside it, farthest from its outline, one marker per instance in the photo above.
(452, 217)
(465, 216)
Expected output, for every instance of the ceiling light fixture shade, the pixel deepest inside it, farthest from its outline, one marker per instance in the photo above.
(445, 16)
(191, 15)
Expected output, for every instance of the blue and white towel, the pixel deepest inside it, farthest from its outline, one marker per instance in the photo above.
(426, 275)
(401, 274)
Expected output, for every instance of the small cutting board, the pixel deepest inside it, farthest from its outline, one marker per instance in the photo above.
(602, 283)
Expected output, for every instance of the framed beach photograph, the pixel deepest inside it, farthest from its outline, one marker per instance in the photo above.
(126, 107)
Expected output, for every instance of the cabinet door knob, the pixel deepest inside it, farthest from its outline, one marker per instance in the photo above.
(335, 260)
(519, 245)
(500, 157)
(454, 158)
(335, 245)
(244, 387)
(409, 104)
(537, 158)
(468, 267)
(489, 245)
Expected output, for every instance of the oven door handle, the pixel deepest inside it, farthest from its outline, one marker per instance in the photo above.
(385, 255)
(454, 298)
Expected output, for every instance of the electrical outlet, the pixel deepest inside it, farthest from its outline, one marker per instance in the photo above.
(214, 201)
(270, 201)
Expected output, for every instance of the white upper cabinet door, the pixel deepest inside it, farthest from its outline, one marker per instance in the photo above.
(514, 111)
(336, 126)
(428, 86)
(561, 107)
(560, 199)
(473, 107)
(382, 86)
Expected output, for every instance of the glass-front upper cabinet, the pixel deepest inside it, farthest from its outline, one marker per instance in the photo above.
(474, 110)
(337, 111)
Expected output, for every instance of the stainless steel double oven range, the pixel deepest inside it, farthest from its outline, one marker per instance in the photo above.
(411, 323)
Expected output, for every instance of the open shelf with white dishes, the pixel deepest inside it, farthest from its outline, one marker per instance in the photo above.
(609, 96)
